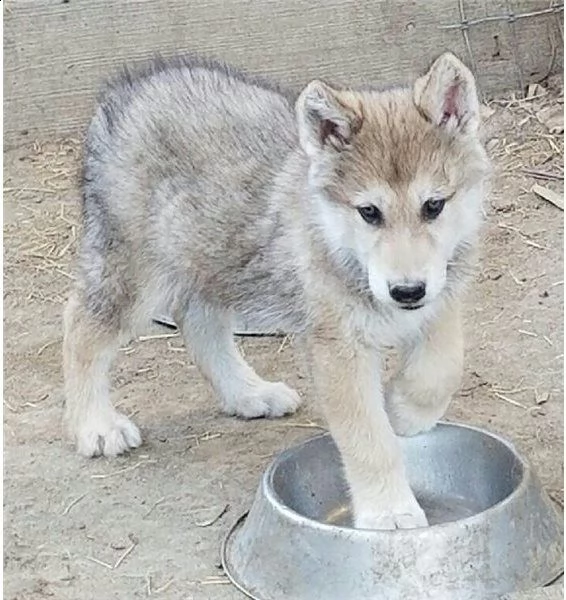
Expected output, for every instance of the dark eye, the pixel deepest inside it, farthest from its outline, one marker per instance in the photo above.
(432, 208)
(371, 214)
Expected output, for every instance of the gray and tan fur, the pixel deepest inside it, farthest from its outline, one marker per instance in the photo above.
(209, 193)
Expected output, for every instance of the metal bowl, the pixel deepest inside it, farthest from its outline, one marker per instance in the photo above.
(493, 529)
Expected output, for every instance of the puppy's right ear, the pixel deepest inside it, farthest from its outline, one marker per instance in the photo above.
(327, 123)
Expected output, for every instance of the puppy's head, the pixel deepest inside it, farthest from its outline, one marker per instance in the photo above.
(397, 177)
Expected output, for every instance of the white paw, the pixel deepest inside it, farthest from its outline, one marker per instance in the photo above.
(409, 418)
(407, 425)
(392, 519)
(394, 508)
(107, 433)
(266, 399)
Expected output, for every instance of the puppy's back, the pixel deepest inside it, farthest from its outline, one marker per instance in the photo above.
(179, 166)
(190, 111)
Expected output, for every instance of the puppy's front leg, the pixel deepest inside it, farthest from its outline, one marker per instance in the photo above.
(347, 375)
(430, 375)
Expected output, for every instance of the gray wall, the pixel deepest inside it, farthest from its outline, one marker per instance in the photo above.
(57, 52)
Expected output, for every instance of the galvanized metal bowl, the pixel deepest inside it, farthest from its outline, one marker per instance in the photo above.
(493, 529)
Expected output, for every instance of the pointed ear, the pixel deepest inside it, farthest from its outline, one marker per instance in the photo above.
(447, 95)
(326, 121)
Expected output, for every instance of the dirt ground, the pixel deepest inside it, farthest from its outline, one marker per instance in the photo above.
(138, 526)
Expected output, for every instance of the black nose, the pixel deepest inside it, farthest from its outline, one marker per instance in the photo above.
(408, 293)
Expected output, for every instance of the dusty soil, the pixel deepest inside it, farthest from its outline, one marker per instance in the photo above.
(133, 527)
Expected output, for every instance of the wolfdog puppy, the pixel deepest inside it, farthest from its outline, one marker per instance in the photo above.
(351, 214)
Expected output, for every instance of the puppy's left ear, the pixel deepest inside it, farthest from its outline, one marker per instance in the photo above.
(447, 96)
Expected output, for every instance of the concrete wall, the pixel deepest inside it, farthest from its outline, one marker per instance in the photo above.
(58, 51)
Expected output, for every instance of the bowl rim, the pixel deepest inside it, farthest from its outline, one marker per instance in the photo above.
(292, 515)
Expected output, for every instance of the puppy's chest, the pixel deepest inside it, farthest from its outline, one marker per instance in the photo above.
(390, 327)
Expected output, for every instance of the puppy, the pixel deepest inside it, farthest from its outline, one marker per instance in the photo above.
(349, 214)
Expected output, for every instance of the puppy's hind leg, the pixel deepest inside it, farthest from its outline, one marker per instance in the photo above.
(90, 344)
(207, 331)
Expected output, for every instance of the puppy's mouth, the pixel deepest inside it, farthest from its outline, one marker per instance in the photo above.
(411, 307)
